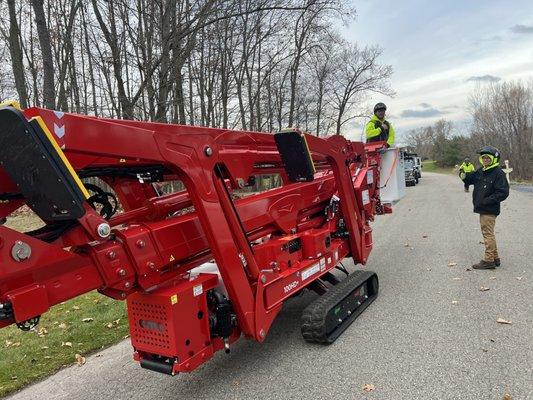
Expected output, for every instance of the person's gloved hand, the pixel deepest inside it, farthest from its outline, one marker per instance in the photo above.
(462, 175)
(385, 126)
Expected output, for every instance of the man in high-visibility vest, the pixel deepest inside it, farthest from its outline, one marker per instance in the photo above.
(466, 167)
(490, 189)
(378, 129)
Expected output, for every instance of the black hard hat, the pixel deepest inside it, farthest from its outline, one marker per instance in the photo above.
(380, 106)
(493, 151)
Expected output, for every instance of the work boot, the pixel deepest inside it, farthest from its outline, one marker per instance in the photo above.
(484, 265)
(497, 262)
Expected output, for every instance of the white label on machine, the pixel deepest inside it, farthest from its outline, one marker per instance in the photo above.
(310, 271)
(329, 260)
(369, 177)
(197, 290)
(336, 255)
(322, 264)
(365, 196)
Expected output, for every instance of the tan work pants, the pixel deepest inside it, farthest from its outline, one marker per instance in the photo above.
(487, 222)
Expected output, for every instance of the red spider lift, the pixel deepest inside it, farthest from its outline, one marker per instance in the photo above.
(155, 253)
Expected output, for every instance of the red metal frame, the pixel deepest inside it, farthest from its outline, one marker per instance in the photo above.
(156, 243)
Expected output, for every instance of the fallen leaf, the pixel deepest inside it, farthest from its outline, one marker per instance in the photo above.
(457, 279)
(96, 301)
(492, 278)
(116, 321)
(455, 302)
(14, 377)
(127, 336)
(481, 242)
(62, 325)
(67, 344)
(518, 278)
(42, 332)
(425, 236)
(75, 307)
(109, 325)
(452, 264)
(484, 350)
(406, 244)
(507, 396)
(47, 357)
(468, 269)
(44, 348)
(503, 321)
(88, 319)
(492, 340)
(483, 289)
(80, 360)
(8, 343)
(368, 387)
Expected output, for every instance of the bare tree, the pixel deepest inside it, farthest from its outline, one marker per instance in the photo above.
(46, 51)
(15, 50)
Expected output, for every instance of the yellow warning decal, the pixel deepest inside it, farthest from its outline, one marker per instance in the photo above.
(11, 103)
(61, 155)
(171, 258)
(308, 153)
(173, 299)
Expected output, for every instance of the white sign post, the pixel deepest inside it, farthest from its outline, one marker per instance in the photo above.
(507, 170)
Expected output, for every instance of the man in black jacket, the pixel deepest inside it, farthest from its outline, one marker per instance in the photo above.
(490, 189)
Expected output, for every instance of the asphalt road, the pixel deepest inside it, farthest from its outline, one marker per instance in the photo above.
(431, 334)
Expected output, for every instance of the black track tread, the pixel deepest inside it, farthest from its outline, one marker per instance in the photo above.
(313, 322)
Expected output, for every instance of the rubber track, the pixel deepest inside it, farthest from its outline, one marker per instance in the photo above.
(313, 322)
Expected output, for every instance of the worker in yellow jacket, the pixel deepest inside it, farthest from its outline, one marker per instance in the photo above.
(378, 129)
(467, 167)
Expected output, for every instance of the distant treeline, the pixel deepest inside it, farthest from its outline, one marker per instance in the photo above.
(502, 116)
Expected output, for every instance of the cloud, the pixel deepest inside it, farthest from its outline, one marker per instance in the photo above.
(425, 105)
(425, 113)
(526, 29)
(484, 78)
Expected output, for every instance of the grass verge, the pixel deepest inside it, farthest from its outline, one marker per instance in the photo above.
(431, 166)
(76, 327)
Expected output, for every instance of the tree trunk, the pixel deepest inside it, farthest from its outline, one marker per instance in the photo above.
(16, 55)
(46, 50)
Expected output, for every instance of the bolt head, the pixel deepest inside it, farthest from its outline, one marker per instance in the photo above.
(127, 285)
(263, 278)
(104, 230)
(150, 265)
(20, 251)
(208, 151)
(140, 243)
(121, 272)
(262, 333)
(111, 255)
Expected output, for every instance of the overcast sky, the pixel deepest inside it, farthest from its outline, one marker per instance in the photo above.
(441, 50)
